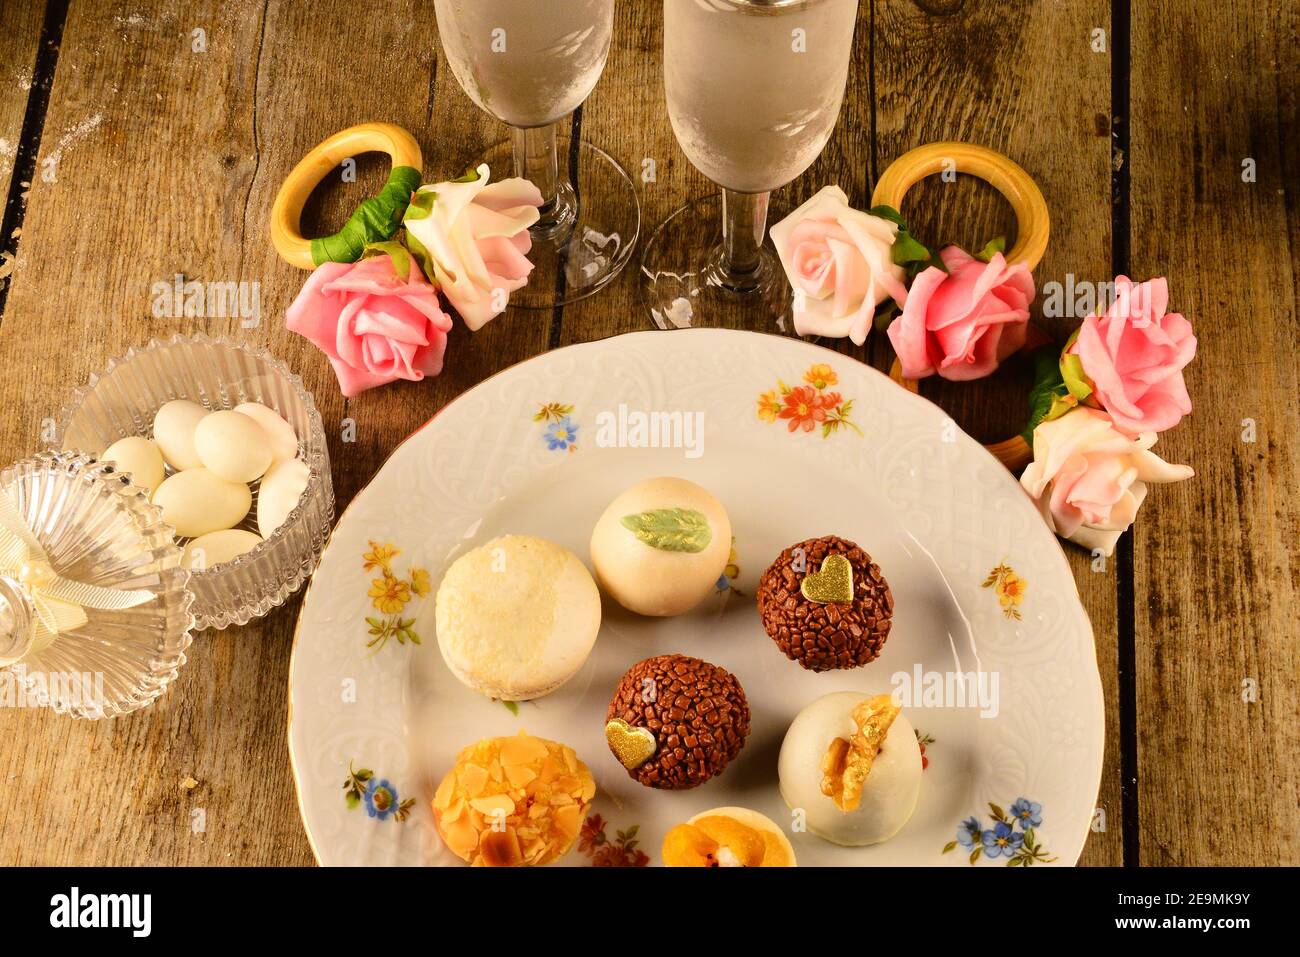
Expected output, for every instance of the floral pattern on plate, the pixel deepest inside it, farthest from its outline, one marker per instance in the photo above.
(622, 851)
(377, 794)
(1009, 587)
(389, 595)
(809, 406)
(560, 432)
(1011, 835)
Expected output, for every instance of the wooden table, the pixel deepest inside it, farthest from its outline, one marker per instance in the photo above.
(1163, 135)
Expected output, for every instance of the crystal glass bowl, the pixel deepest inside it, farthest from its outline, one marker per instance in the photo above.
(99, 529)
(218, 374)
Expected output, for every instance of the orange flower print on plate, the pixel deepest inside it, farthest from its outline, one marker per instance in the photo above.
(1009, 587)
(810, 406)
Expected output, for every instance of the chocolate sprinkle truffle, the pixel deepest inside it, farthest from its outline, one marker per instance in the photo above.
(696, 711)
(823, 636)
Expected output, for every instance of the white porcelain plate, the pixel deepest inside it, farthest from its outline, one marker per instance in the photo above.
(980, 587)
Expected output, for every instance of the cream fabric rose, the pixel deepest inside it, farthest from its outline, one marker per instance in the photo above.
(474, 236)
(839, 263)
(1089, 479)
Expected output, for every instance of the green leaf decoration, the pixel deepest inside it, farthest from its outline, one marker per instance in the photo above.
(1076, 380)
(375, 220)
(885, 313)
(885, 211)
(949, 846)
(422, 257)
(512, 707)
(1049, 393)
(975, 855)
(353, 800)
(671, 529)
(421, 205)
(992, 248)
(394, 251)
(907, 250)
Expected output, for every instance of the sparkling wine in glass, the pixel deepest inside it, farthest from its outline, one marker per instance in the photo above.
(530, 63)
(754, 88)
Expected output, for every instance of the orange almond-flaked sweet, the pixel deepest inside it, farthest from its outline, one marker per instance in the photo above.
(513, 801)
(727, 837)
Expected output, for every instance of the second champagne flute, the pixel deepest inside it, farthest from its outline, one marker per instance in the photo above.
(754, 88)
(530, 63)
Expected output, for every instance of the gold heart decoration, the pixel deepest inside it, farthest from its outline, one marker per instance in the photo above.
(632, 746)
(834, 583)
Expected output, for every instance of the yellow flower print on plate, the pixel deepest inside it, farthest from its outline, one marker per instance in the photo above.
(389, 594)
(1009, 587)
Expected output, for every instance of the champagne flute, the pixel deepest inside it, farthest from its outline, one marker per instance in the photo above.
(754, 88)
(530, 63)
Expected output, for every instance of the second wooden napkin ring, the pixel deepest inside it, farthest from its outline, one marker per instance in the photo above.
(1032, 229)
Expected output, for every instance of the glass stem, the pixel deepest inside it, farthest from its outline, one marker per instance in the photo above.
(536, 161)
(744, 221)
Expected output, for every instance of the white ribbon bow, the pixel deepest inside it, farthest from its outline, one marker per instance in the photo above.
(59, 603)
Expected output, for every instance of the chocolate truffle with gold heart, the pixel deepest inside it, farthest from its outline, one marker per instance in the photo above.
(826, 604)
(661, 546)
(676, 721)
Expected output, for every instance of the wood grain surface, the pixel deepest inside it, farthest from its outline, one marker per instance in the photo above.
(166, 161)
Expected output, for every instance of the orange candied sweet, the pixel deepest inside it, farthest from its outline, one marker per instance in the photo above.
(727, 837)
(513, 801)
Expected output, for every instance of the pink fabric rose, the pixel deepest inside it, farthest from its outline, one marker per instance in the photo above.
(840, 264)
(474, 237)
(374, 326)
(1089, 479)
(964, 322)
(1134, 354)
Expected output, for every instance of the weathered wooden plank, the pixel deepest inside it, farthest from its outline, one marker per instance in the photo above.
(1024, 80)
(20, 36)
(171, 161)
(1215, 557)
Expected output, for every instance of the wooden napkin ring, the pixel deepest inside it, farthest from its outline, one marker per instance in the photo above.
(1032, 229)
(286, 214)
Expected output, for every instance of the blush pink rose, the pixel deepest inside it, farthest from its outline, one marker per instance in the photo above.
(374, 326)
(474, 236)
(1134, 354)
(1089, 479)
(840, 264)
(964, 322)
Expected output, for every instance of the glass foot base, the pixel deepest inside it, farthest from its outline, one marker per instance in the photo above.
(685, 282)
(586, 236)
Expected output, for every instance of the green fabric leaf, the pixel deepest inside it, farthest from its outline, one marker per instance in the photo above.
(375, 220)
(992, 248)
(885, 314)
(671, 529)
(907, 250)
(394, 251)
(422, 257)
(1048, 397)
(885, 211)
(421, 204)
(1076, 380)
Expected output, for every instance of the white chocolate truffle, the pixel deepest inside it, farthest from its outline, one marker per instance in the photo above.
(173, 430)
(195, 502)
(138, 457)
(279, 493)
(517, 617)
(215, 548)
(232, 446)
(661, 546)
(279, 433)
(891, 788)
